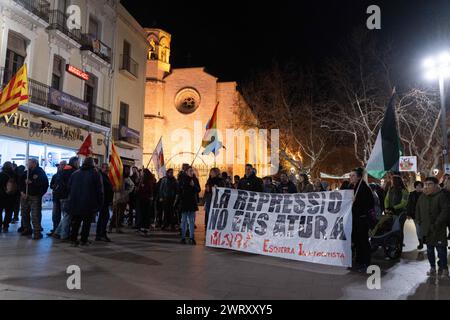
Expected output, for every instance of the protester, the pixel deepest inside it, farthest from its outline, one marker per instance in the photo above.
(318, 186)
(62, 231)
(226, 180)
(167, 196)
(121, 200)
(304, 186)
(286, 186)
(85, 200)
(8, 193)
(19, 170)
(33, 185)
(136, 178)
(104, 213)
(376, 200)
(346, 185)
(54, 185)
(446, 190)
(144, 203)
(396, 201)
(411, 209)
(250, 182)
(188, 190)
(362, 205)
(432, 212)
(215, 180)
(236, 179)
(269, 186)
(158, 205)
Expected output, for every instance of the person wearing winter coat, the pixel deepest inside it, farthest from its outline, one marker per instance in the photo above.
(121, 200)
(56, 210)
(144, 201)
(8, 192)
(396, 201)
(411, 209)
(188, 190)
(103, 217)
(304, 186)
(286, 186)
(33, 185)
(250, 182)
(215, 180)
(61, 189)
(363, 203)
(269, 186)
(85, 199)
(432, 212)
(167, 196)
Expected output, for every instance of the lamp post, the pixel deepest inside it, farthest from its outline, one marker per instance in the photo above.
(439, 68)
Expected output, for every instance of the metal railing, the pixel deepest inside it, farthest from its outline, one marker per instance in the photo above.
(40, 8)
(58, 21)
(98, 115)
(128, 64)
(88, 42)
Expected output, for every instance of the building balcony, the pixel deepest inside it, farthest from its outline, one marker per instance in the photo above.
(64, 104)
(125, 134)
(128, 66)
(58, 25)
(34, 11)
(95, 46)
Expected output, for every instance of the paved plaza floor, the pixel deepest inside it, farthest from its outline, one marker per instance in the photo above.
(159, 267)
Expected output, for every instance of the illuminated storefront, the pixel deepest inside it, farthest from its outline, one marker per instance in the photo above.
(25, 136)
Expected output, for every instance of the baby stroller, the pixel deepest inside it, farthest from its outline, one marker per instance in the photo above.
(387, 234)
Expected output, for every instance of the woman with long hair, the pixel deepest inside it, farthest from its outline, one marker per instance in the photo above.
(304, 186)
(144, 201)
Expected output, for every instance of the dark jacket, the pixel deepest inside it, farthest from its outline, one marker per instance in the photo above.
(251, 183)
(4, 178)
(288, 187)
(213, 182)
(60, 182)
(363, 201)
(39, 182)
(85, 191)
(188, 194)
(432, 214)
(108, 192)
(168, 188)
(270, 188)
(146, 189)
(412, 202)
(305, 188)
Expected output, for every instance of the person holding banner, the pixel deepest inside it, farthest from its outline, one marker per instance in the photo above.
(362, 203)
(214, 180)
(250, 182)
(188, 190)
(286, 186)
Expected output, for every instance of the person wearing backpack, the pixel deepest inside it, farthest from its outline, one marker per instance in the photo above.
(8, 191)
(55, 186)
(33, 186)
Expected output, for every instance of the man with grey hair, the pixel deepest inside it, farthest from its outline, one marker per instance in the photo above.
(33, 185)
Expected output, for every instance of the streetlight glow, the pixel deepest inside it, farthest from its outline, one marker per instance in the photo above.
(437, 67)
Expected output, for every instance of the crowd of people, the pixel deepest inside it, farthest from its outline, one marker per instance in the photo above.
(83, 195)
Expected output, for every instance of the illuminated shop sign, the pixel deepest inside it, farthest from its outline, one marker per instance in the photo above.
(77, 72)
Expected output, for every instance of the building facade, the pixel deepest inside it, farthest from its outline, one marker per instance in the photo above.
(129, 87)
(180, 102)
(79, 76)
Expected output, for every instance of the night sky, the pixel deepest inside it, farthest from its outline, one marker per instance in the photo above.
(234, 38)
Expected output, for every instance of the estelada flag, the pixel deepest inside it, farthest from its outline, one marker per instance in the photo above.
(86, 147)
(158, 159)
(15, 93)
(115, 169)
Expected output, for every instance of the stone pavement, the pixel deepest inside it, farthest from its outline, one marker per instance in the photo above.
(158, 267)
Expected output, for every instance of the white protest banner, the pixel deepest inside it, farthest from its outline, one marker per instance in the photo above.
(408, 164)
(314, 227)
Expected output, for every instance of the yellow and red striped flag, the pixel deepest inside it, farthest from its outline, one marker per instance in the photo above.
(115, 169)
(15, 93)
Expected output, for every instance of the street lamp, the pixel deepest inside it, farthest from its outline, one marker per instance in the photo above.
(439, 68)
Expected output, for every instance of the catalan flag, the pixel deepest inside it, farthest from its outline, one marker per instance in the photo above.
(15, 93)
(115, 169)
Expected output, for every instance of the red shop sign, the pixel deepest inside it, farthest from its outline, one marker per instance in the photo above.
(77, 72)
